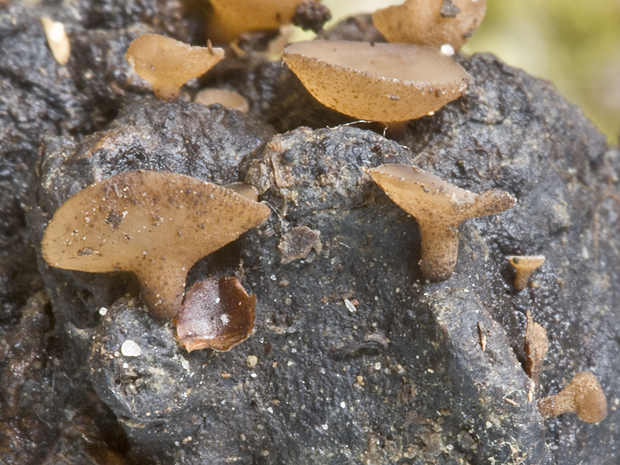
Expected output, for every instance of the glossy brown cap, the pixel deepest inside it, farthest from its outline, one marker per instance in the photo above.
(215, 315)
(154, 224)
(378, 82)
(168, 64)
(524, 265)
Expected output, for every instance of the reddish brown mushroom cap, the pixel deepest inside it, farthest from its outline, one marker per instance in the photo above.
(168, 64)
(379, 82)
(154, 224)
(430, 22)
(216, 315)
(231, 18)
(439, 208)
(583, 396)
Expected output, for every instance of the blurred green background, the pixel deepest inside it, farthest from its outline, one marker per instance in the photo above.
(573, 43)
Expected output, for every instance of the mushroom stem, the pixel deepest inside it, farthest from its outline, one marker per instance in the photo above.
(583, 396)
(163, 292)
(440, 249)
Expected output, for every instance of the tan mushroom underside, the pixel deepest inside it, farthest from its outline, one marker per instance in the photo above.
(231, 18)
(154, 224)
(422, 22)
(168, 64)
(378, 82)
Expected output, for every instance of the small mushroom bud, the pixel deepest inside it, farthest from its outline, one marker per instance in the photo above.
(431, 22)
(168, 64)
(536, 347)
(231, 18)
(378, 82)
(439, 208)
(583, 396)
(154, 224)
(524, 266)
(224, 97)
(216, 315)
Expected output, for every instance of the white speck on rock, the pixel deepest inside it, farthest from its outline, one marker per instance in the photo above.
(131, 349)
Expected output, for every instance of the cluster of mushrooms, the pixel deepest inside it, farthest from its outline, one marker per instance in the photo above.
(120, 223)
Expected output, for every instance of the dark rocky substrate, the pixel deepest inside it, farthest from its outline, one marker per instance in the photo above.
(400, 376)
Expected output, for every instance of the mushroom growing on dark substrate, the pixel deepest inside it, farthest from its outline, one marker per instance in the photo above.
(168, 64)
(435, 23)
(439, 208)
(524, 266)
(377, 82)
(583, 396)
(154, 224)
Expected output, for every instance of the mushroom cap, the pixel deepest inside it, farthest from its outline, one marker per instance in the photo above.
(429, 198)
(583, 395)
(216, 315)
(430, 22)
(526, 263)
(168, 64)
(379, 82)
(231, 18)
(224, 97)
(152, 223)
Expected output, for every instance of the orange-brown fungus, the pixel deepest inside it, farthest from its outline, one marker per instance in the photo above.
(431, 22)
(168, 64)
(216, 315)
(524, 266)
(439, 208)
(224, 97)
(536, 347)
(379, 82)
(231, 18)
(154, 224)
(583, 396)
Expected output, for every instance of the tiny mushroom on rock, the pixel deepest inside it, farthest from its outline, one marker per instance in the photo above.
(583, 396)
(378, 82)
(524, 265)
(439, 208)
(154, 224)
(224, 97)
(216, 315)
(536, 347)
(231, 18)
(431, 22)
(168, 64)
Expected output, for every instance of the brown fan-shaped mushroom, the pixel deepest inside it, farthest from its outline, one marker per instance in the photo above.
(439, 208)
(231, 18)
(216, 315)
(583, 396)
(154, 224)
(379, 82)
(168, 64)
(524, 265)
(431, 22)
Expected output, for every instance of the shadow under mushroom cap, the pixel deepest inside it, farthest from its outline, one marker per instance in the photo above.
(154, 224)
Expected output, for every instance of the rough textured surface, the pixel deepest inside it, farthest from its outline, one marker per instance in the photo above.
(400, 375)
